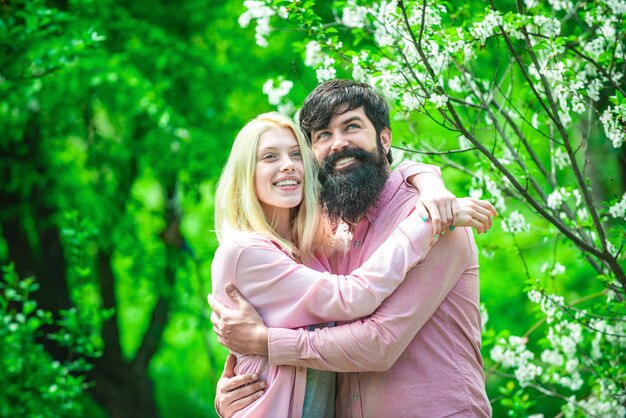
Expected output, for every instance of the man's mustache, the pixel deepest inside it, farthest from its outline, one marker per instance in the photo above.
(328, 165)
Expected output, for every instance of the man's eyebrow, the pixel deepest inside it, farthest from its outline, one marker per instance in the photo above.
(342, 123)
(352, 119)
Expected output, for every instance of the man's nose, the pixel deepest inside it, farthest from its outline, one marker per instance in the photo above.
(339, 142)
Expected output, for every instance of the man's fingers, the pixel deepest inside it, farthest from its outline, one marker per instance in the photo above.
(217, 331)
(216, 320)
(233, 294)
(229, 367)
(240, 386)
(216, 306)
(242, 403)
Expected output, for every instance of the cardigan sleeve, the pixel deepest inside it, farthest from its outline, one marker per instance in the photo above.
(289, 294)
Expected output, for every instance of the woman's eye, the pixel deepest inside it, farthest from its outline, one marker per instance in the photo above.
(296, 154)
(268, 157)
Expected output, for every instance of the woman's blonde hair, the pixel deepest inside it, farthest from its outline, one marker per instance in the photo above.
(237, 206)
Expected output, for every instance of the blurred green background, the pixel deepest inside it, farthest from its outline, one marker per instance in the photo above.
(116, 118)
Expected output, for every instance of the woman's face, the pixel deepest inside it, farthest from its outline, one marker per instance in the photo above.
(279, 174)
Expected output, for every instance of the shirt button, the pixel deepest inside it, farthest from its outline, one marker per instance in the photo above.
(357, 243)
(355, 397)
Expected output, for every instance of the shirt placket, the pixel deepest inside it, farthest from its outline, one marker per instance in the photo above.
(356, 251)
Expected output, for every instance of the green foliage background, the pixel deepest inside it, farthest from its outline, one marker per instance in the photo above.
(116, 118)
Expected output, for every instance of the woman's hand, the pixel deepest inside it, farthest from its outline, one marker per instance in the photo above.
(435, 202)
(474, 213)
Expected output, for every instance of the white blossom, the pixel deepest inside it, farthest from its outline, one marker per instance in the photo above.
(512, 353)
(515, 223)
(259, 11)
(487, 27)
(313, 54)
(552, 357)
(275, 90)
(438, 100)
(534, 296)
(353, 15)
(326, 71)
(614, 122)
(555, 199)
(558, 269)
(561, 159)
(618, 210)
(565, 5)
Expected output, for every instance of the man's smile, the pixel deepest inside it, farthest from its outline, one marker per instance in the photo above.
(342, 162)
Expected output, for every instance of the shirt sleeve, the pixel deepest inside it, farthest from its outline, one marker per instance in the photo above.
(411, 168)
(375, 343)
(289, 294)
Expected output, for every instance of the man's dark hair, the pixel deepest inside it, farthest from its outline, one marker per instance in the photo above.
(336, 97)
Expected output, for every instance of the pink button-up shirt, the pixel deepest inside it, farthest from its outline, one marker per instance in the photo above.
(418, 355)
(288, 294)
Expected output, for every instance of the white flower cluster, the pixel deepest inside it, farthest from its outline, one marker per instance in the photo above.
(275, 90)
(614, 122)
(618, 7)
(557, 269)
(515, 223)
(482, 181)
(439, 100)
(603, 402)
(326, 71)
(565, 5)
(548, 26)
(618, 210)
(487, 27)
(261, 13)
(353, 15)
(512, 353)
(386, 24)
(313, 54)
(560, 158)
(557, 198)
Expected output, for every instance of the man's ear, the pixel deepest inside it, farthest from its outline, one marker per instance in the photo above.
(385, 139)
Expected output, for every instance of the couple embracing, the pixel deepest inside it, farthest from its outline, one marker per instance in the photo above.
(342, 287)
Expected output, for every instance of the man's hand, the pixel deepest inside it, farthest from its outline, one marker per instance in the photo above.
(435, 201)
(475, 213)
(236, 392)
(240, 329)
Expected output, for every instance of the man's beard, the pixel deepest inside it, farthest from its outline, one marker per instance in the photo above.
(348, 194)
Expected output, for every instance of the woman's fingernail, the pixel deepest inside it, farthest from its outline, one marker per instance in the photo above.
(436, 236)
(424, 218)
(452, 228)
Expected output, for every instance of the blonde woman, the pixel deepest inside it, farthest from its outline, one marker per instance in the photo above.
(272, 248)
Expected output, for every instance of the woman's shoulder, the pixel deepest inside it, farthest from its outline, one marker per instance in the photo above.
(239, 242)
